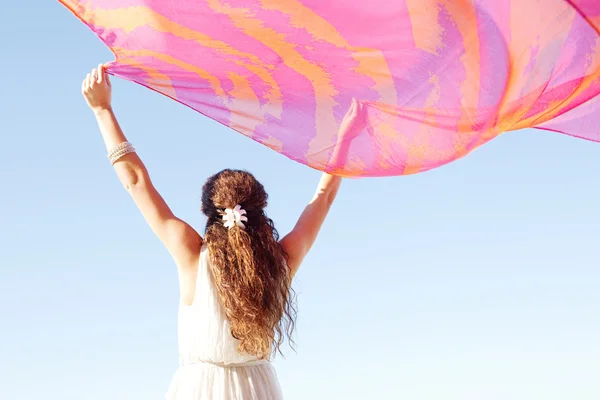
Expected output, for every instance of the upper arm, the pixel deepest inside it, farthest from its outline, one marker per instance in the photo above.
(180, 239)
(300, 240)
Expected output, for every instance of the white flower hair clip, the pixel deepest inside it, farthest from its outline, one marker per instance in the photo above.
(235, 216)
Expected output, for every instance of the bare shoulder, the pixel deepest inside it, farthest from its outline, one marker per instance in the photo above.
(292, 260)
(187, 261)
(185, 244)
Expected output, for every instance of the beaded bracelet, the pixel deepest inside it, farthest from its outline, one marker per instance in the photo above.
(119, 147)
(119, 151)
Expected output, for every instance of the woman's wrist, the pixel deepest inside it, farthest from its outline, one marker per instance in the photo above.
(100, 111)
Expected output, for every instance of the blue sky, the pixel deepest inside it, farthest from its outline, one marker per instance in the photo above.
(478, 280)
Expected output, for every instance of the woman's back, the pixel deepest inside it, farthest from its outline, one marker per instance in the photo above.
(204, 330)
(211, 367)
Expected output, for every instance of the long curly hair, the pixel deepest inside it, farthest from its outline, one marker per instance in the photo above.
(249, 265)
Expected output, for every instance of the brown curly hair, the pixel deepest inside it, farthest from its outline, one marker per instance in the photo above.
(249, 265)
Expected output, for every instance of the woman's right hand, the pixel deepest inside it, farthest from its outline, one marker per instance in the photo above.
(97, 90)
(354, 121)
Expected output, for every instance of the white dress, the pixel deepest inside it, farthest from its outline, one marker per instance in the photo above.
(210, 366)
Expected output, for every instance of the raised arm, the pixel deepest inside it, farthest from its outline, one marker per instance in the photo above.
(181, 240)
(300, 240)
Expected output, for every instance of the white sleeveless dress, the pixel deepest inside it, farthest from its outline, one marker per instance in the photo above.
(210, 366)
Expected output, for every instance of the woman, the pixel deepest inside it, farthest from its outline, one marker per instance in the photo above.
(236, 303)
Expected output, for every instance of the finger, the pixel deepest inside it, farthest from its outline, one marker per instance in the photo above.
(107, 77)
(359, 106)
(88, 79)
(352, 108)
(100, 73)
(96, 76)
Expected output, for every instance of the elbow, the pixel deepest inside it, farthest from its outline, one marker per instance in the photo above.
(130, 184)
(132, 177)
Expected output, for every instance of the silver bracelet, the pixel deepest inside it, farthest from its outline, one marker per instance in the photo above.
(121, 150)
(118, 147)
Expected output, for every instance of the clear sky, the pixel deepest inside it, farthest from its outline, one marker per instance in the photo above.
(478, 280)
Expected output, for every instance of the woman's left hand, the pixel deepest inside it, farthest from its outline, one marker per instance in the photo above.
(97, 90)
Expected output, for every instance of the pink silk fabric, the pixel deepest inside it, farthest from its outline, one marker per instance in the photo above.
(436, 78)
